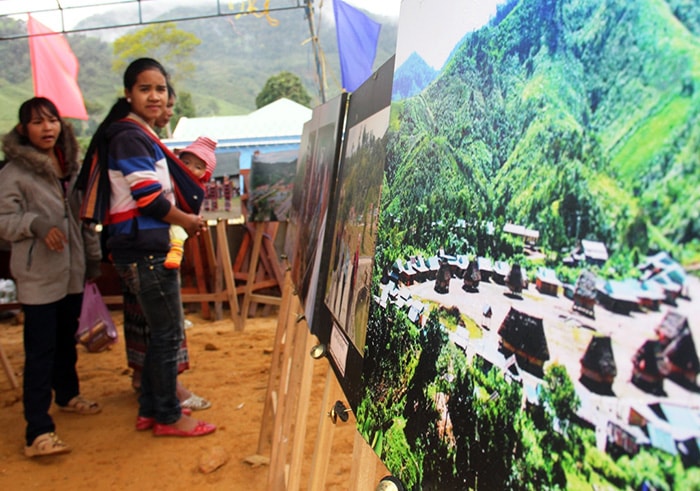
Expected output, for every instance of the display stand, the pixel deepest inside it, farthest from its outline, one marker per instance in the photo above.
(278, 360)
(364, 468)
(257, 250)
(262, 254)
(286, 400)
(286, 409)
(196, 255)
(324, 442)
(225, 271)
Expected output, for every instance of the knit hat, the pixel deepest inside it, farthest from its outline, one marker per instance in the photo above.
(203, 148)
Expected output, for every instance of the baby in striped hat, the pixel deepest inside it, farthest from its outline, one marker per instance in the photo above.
(200, 159)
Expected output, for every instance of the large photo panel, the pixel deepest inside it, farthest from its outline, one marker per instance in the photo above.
(353, 219)
(535, 289)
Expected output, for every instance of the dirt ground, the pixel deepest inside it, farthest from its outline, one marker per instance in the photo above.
(230, 368)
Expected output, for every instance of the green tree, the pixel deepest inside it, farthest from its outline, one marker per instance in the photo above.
(14, 52)
(559, 396)
(184, 107)
(284, 84)
(165, 42)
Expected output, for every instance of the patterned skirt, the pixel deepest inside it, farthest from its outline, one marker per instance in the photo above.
(136, 335)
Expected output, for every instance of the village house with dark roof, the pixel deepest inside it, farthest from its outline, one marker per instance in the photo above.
(523, 335)
(598, 367)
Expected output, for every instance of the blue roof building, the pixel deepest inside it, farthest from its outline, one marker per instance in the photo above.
(272, 128)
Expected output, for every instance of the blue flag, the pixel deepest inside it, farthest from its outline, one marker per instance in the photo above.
(357, 44)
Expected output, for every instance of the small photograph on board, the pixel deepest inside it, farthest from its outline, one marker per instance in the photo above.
(304, 159)
(222, 194)
(271, 184)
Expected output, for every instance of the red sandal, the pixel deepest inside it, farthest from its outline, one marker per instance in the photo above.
(201, 429)
(144, 423)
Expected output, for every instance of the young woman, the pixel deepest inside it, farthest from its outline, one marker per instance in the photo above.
(141, 208)
(135, 325)
(52, 256)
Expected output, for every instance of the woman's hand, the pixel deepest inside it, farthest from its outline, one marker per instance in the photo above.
(194, 224)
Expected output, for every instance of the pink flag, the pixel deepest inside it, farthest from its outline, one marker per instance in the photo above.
(55, 70)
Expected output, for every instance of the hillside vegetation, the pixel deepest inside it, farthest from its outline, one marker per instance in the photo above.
(582, 125)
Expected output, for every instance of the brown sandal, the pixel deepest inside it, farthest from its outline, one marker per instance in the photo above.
(46, 444)
(81, 406)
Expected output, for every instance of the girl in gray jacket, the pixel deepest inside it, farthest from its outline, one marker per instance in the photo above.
(52, 256)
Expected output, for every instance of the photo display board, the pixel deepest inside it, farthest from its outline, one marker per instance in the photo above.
(271, 184)
(222, 194)
(316, 172)
(531, 318)
(354, 214)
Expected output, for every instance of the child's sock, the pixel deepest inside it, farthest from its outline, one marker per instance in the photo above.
(174, 257)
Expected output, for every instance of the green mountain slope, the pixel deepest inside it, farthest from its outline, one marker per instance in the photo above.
(583, 125)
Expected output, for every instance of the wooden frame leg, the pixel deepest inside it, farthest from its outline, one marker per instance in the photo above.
(8, 369)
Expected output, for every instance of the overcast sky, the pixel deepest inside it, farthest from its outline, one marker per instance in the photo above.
(76, 10)
(432, 28)
(389, 8)
(429, 27)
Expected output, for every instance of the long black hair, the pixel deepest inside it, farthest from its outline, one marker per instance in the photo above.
(120, 110)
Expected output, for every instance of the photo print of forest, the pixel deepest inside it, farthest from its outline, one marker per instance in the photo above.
(311, 193)
(536, 261)
(356, 203)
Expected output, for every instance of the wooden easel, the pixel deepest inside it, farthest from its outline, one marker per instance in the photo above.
(262, 253)
(287, 404)
(258, 249)
(195, 254)
(278, 362)
(8, 369)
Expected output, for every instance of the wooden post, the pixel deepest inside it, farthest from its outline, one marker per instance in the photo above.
(252, 271)
(364, 465)
(253, 283)
(8, 369)
(199, 270)
(287, 405)
(224, 265)
(271, 396)
(324, 441)
(277, 472)
(304, 365)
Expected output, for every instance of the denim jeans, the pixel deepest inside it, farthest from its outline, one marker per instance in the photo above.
(158, 292)
(50, 358)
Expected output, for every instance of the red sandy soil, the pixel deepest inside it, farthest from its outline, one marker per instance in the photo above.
(230, 368)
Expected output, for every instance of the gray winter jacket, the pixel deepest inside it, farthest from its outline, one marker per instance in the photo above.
(31, 202)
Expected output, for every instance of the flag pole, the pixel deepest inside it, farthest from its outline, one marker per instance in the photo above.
(314, 42)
